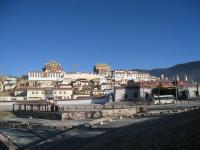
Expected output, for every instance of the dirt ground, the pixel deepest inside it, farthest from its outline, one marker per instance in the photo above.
(176, 132)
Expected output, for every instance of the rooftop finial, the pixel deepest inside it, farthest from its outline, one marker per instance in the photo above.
(177, 77)
(186, 78)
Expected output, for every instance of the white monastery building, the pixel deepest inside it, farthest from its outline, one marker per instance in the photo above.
(126, 75)
(52, 71)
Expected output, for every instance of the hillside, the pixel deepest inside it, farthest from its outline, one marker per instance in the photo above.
(191, 69)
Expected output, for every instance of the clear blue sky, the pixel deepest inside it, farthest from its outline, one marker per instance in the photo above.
(126, 34)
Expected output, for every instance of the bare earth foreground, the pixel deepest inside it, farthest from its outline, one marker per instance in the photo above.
(159, 129)
(175, 132)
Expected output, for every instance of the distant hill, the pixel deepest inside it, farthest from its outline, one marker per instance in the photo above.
(191, 69)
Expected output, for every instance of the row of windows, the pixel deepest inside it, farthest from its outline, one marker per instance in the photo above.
(131, 75)
(138, 78)
(48, 75)
(37, 92)
(142, 77)
(60, 92)
(64, 97)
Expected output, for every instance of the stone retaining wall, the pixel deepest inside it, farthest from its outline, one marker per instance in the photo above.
(126, 112)
(78, 115)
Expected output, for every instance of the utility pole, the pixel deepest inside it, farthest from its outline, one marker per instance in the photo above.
(176, 86)
(159, 94)
(197, 90)
(143, 95)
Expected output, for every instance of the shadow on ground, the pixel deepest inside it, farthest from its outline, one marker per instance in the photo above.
(175, 132)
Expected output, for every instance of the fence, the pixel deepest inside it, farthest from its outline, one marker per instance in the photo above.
(93, 107)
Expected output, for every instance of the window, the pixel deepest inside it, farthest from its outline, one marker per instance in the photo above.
(60, 92)
(54, 92)
(125, 96)
(64, 92)
(136, 95)
(36, 92)
(32, 92)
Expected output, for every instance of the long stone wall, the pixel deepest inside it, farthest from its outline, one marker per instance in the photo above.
(78, 115)
(125, 112)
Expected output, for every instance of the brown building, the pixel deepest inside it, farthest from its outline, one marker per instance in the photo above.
(102, 69)
(52, 66)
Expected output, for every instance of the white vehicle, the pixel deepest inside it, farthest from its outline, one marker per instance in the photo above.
(163, 99)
